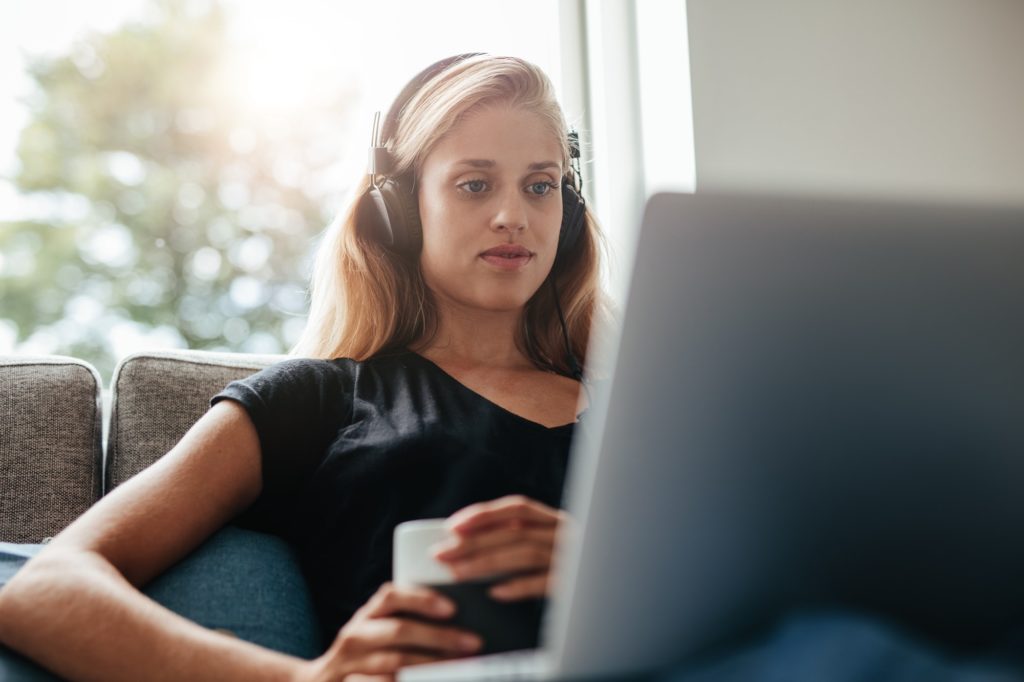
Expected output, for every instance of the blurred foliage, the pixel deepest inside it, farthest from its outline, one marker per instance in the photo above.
(179, 214)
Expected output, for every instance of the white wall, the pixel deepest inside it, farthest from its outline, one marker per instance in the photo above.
(906, 98)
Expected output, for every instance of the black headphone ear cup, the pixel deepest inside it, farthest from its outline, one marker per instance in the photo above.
(373, 217)
(409, 236)
(573, 220)
(390, 216)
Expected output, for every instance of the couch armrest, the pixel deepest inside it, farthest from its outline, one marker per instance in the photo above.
(50, 452)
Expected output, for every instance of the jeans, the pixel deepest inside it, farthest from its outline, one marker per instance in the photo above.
(245, 582)
(844, 647)
(219, 587)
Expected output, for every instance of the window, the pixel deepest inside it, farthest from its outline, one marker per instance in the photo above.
(167, 166)
(632, 60)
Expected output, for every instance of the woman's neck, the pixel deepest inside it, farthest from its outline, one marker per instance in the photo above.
(476, 338)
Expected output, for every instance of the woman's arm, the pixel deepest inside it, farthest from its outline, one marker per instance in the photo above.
(76, 608)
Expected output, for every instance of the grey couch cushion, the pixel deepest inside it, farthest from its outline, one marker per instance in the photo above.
(50, 452)
(159, 395)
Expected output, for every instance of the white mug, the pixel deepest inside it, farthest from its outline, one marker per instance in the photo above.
(414, 562)
(502, 626)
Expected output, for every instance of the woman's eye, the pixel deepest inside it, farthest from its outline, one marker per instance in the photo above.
(541, 188)
(474, 186)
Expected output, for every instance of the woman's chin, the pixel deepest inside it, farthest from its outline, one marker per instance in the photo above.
(502, 302)
(487, 297)
(506, 306)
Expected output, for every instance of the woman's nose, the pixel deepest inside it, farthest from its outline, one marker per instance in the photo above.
(510, 212)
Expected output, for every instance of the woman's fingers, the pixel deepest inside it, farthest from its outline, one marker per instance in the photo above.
(380, 629)
(384, 662)
(525, 587)
(385, 635)
(425, 638)
(509, 508)
(464, 546)
(389, 600)
(381, 666)
(506, 559)
(512, 534)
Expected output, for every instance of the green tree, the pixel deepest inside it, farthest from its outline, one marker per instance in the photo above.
(176, 209)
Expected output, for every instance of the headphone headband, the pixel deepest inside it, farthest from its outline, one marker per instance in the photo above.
(390, 125)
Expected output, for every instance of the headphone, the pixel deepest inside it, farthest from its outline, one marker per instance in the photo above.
(388, 212)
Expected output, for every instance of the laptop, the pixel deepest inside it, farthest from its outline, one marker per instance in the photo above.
(812, 403)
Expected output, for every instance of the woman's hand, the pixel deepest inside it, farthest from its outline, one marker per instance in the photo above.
(512, 534)
(380, 638)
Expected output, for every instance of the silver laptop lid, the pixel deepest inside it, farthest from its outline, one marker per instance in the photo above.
(812, 402)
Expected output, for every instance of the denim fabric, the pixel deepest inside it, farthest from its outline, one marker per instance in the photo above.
(12, 557)
(217, 587)
(842, 647)
(249, 583)
(246, 582)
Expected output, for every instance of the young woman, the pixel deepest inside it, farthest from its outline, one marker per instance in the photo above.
(438, 377)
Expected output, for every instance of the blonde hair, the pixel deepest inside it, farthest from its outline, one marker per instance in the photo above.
(366, 299)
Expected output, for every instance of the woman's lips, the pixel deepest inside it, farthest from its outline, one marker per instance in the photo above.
(506, 263)
(507, 256)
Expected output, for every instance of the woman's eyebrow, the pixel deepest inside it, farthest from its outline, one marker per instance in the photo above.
(490, 163)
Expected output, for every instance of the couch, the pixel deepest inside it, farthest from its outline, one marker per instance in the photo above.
(60, 452)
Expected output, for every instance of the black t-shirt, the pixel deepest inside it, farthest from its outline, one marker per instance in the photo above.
(351, 449)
